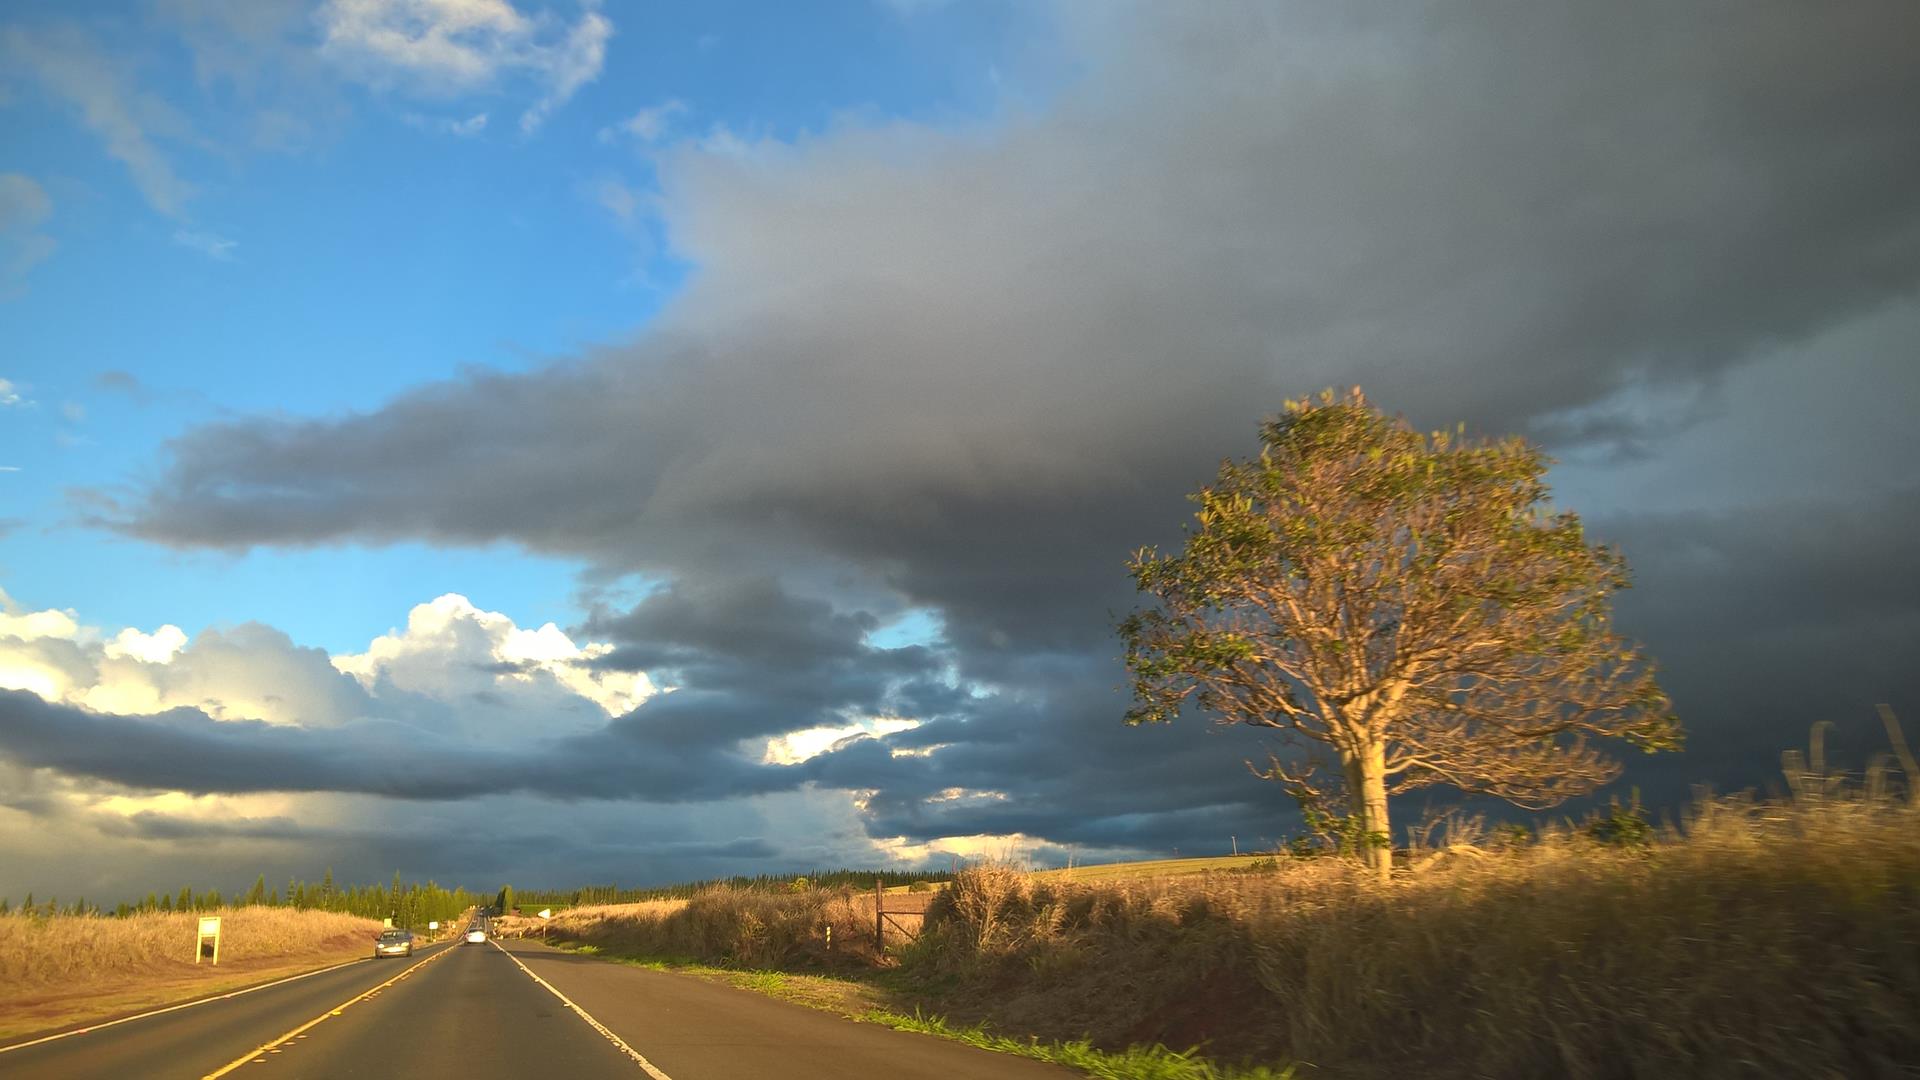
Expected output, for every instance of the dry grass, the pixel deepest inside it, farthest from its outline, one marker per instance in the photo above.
(1778, 939)
(751, 928)
(71, 968)
(1152, 868)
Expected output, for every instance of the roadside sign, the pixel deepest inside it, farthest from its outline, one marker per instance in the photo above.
(207, 944)
(546, 913)
(433, 926)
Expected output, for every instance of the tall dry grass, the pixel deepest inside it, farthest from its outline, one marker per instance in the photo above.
(751, 928)
(66, 953)
(1776, 939)
(1759, 938)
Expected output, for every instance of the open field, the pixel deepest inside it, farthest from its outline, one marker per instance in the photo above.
(68, 969)
(1151, 868)
(1780, 938)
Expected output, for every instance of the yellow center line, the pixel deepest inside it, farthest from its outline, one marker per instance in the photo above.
(646, 1066)
(91, 1028)
(256, 1053)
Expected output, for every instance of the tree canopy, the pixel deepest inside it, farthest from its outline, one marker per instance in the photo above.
(1412, 603)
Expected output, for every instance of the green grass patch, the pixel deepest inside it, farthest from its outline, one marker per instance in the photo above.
(1133, 1063)
(772, 983)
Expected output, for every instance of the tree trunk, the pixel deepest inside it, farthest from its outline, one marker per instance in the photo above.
(1367, 802)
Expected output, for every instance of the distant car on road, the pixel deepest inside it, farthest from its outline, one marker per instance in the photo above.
(476, 936)
(393, 943)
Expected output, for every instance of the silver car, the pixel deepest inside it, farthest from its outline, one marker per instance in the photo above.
(393, 943)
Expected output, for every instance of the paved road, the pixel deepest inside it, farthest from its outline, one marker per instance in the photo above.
(512, 1009)
(195, 1041)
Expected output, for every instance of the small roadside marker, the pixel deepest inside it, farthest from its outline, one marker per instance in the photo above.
(68, 1034)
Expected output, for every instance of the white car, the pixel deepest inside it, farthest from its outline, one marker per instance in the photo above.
(476, 936)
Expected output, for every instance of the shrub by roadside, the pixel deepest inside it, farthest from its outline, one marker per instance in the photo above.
(1783, 935)
(748, 928)
(1775, 938)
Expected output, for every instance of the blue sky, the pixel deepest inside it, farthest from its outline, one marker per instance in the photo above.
(278, 287)
(438, 381)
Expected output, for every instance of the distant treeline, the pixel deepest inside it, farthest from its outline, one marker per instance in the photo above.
(820, 879)
(414, 904)
(408, 904)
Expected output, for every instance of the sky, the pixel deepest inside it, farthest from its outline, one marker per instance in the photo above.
(579, 442)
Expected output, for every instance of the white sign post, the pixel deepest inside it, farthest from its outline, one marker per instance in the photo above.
(208, 943)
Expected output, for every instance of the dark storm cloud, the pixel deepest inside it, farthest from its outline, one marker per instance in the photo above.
(151, 825)
(413, 842)
(748, 620)
(973, 364)
(1778, 566)
(1047, 757)
(903, 337)
(1767, 620)
(971, 370)
(186, 750)
(749, 659)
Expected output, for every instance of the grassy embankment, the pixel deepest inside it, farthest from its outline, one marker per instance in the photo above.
(69, 969)
(1776, 938)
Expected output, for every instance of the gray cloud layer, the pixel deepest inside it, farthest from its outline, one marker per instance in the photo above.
(968, 370)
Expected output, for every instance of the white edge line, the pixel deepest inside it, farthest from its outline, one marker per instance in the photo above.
(90, 1028)
(649, 1067)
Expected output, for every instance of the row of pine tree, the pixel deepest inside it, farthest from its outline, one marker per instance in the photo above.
(413, 904)
(408, 904)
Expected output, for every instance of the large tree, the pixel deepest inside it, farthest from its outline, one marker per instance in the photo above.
(1408, 602)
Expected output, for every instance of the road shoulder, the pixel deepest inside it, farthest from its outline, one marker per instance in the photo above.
(698, 1029)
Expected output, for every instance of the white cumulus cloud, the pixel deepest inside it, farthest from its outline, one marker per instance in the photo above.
(452, 648)
(17, 622)
(158, 647)
(454, 670)
(797, 746)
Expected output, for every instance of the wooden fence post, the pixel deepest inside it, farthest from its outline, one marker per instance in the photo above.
(879, 919)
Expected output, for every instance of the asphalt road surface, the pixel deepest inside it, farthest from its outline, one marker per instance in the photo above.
(505, 1009)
